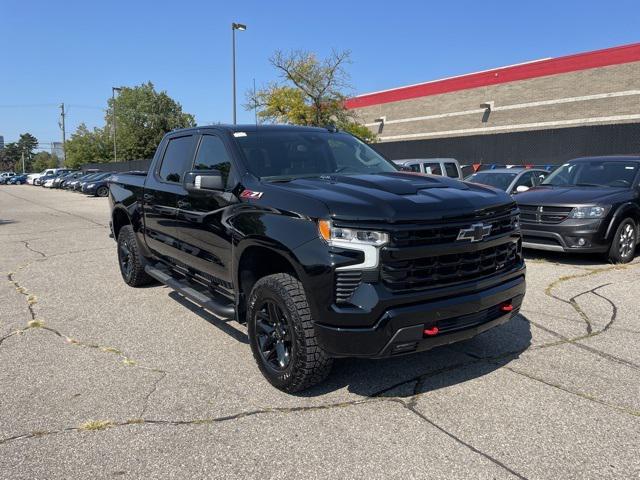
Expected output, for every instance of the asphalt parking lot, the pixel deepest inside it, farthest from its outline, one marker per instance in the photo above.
(101, 380)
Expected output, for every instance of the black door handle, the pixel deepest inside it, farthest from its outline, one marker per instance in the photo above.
(147, 197)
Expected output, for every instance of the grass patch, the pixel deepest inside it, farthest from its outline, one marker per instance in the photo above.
(111, 350)
(94, 425)
(35, 324)
(128, 362)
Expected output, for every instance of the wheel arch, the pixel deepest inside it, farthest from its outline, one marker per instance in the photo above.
(626, 210)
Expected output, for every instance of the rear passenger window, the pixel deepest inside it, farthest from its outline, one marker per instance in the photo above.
(451, 169)
(415, 167)
(177, 158)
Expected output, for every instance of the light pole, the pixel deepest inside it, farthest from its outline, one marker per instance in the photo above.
(113, 97)
(242, 28)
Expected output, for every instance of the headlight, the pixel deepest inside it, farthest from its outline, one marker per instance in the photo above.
(339, 235)
(588, 212)
(91, 185)
(366, 241)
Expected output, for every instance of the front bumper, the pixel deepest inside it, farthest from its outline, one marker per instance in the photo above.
(399, 330)
(564, 236)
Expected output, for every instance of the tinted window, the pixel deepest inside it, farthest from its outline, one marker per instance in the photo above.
(451, 169)
(212, 155)
(297, 153)
(415, 167)
(177, 158)
(433, 168)
(525, 180)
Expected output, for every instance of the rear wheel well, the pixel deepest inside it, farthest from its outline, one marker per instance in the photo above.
(120, 219)
(256, 263)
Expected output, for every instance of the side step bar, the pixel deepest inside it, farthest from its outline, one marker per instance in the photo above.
(223, 310)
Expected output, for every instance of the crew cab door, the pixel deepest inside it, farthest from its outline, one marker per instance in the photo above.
(204, 235)
(161, 192)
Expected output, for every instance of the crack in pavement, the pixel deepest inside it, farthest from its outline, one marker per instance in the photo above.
(408, 404)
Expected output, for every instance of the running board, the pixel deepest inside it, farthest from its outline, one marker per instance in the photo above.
(223, 310)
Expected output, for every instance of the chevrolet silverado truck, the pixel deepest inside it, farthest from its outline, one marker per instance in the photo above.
(320, 245)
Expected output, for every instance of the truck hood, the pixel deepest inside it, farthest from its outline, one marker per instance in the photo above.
(571, 196)
(395, 197)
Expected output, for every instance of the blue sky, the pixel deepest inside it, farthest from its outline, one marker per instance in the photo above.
(75, 51)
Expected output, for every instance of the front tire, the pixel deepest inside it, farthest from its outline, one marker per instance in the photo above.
(282, 335)
(130, 260)
(624, 242)
(102, 192)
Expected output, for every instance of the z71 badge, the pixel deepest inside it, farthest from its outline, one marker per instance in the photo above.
(250, 194)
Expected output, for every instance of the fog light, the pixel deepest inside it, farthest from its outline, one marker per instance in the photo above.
(582, 242)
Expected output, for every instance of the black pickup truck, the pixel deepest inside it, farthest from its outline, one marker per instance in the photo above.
(323, 247)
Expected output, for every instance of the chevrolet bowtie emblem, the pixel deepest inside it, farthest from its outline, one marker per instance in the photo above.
(475, 233)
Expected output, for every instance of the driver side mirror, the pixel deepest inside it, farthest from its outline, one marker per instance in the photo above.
(203, 181)
(521, 189)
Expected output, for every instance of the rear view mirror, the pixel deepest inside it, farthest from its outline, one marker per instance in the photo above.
(521, 189)
(203, 181)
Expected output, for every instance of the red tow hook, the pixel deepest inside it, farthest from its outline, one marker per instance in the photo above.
(430, 332)
(506, 307)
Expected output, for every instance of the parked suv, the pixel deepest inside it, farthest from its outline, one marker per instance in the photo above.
(323, 247)
(448, 167)
(586, 205)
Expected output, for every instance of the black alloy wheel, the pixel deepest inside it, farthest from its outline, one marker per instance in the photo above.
(274, 335)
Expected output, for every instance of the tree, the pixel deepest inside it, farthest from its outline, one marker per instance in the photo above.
(11, 155)
(86, 146)
(310, 92)
(143, 116)
(44, 160)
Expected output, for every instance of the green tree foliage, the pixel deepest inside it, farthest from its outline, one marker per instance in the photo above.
(143, 115)
(11, 155)
(44, 160)
(87, 146)
(311, 91)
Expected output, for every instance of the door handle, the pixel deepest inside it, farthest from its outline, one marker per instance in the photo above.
(147, 197)
(183, 204)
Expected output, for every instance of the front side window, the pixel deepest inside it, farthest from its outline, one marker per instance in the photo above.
(526, 180)
(284, 155)
(451, 169)
(177, 158)
(497, 180)
(594, 173)
(213, 155)
(415, 167)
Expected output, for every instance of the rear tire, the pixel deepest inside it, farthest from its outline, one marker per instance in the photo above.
(623, 245)
(129, 258)
(282, 335)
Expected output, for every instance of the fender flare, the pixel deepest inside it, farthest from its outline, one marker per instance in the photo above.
(621, 212)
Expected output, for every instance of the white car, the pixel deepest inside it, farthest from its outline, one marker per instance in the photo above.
(48, 183)
(447, 167)
(31, 178)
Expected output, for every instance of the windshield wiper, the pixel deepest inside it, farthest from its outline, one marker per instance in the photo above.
(587, 185)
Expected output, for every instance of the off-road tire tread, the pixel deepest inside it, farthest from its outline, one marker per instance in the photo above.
(139, 277)
(312, 364)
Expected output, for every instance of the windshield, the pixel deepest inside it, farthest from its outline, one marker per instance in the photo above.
(595, 173)
(498, 180)
(285, 155)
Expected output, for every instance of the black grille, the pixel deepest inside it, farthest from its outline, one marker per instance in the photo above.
(442, 270)
(446, 233)
(346, 283)
(543, 214)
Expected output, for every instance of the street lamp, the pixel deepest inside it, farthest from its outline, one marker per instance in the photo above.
(242, 28)
(113, 97)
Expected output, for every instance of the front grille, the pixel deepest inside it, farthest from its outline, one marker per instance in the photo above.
(441, 270)
(346, 283)
(471, 320)
(448, 232)
(543, 214)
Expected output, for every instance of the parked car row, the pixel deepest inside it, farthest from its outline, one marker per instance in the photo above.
(91, 183)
